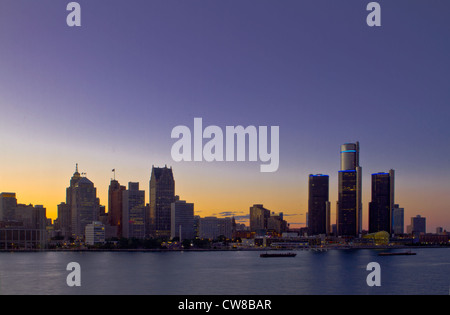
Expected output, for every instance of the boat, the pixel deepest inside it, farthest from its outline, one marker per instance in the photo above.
(397, 254)
(278, 255)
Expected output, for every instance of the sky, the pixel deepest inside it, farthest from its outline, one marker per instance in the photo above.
(107, 95)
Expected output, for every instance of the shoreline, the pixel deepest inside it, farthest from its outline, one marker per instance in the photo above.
(159, 250)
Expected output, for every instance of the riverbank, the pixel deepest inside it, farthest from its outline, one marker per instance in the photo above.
(311, 248)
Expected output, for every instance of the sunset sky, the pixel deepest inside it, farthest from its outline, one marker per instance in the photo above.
(107, 95)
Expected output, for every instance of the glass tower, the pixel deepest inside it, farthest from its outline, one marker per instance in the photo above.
(349, 205)
(318, 204)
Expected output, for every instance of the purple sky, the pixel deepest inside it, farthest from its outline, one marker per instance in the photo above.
(107, 94)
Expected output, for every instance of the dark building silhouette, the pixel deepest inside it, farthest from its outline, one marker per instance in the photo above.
(133, 212)
(115, 204)
(8, 205)
(85, 206)
(162, 194)
(349, 205)
(381, 206)
(65, 208)
(258, 218)
(318, 205)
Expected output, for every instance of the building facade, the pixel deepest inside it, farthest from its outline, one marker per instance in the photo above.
(182, 220)
(95, 233)
(258, 218)
(349, 205)
(382, 204)
(318, 205)
(115, 203)
(133, 212)
(162, 195)
(85, 206)
(8, 205)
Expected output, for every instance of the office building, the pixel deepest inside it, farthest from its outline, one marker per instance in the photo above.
(95, 233)
(32, 217)
(65, 208)
(276, 224)
(162, 194)
(418, 225)
(258, 218)
(133, 212)
(212, 228)
(382, 204)
(349, 205)
(182, 220)
(115, 196)
(85, 206)
(318, 205)
(8, 204)
(398, 220)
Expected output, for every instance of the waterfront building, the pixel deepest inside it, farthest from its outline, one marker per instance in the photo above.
(418, 225)
(398, 220)
(65, 208)
(213, 227)
(133, 212)
(275, 223)
(85, 206)
(162, 194)
(382, 205)
(32, 217)
(115, 203)
(258, 218)
(182, 220)
(318, 205)
(95, 233)
(8, 204)
(349, 204)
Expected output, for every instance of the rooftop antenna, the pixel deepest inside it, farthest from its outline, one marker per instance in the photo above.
(114, 171)
(76, 168)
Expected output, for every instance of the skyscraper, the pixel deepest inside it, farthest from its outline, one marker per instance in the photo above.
(258, 218)
(349, 205)
(182, 220)
(398, 220)
(133, 212)
(318, 205)
(65, 209)
(115, 205)
(382, 204)
(8, 205)
(85, 205)
(162, 194)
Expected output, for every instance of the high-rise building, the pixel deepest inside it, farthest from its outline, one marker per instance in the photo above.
(64, 220)
(182, 220)
(133, 212)
(318, 205)
(382, 205)
(162, 194)
(85, 205)
(398, 220)
(32, 217)
(65, 209)
(418, 225)
(258, 218)
(115, 205)
(8, 205)
(213, 227)
(349, 205)
(95, 233)
(277, 224)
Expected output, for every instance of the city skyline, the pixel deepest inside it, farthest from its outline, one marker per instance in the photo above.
(107, 95)
(241, 216)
